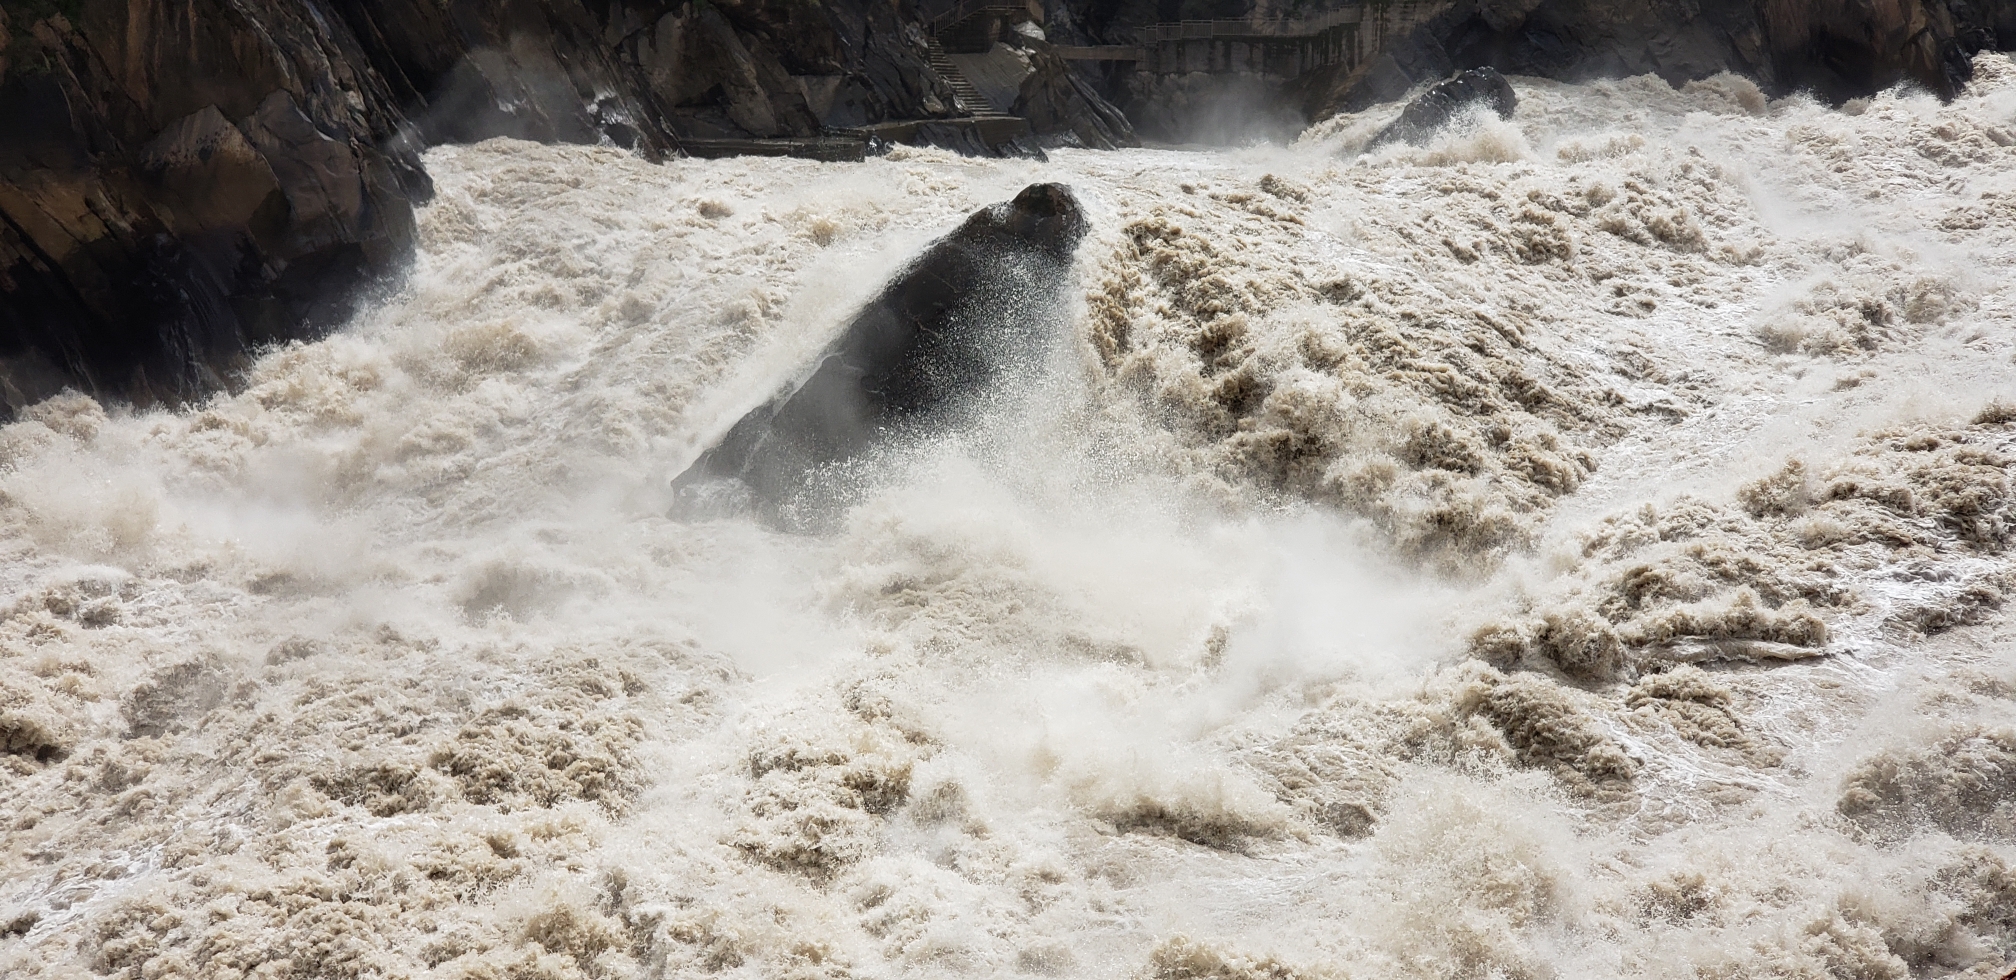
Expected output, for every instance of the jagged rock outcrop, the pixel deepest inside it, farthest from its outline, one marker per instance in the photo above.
(180, 179)
(1062, 106)
(1834, 48)
(970, 311)
(647, 73)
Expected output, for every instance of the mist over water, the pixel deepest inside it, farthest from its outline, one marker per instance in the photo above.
(1573, 548)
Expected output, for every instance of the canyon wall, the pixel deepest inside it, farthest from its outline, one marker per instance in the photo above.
(182, 181)
(1834, 48)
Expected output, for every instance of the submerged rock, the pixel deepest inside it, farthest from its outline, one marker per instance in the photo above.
(1434, 108)
(970, 310)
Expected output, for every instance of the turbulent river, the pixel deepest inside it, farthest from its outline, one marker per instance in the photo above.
(1575, 548)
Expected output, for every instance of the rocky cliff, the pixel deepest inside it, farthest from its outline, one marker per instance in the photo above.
(1837, 49)
(183, 180)
(648, 72)
(1061, 103)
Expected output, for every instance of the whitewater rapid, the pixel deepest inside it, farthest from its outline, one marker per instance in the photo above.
(1575, 548)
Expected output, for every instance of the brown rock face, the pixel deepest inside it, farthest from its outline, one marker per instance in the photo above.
(645, 73)
(183, 180)
(179, 180)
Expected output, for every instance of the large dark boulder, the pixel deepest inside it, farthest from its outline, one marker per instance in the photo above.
(1445, 100)
(972, 311)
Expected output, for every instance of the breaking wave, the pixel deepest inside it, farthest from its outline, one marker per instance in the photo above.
(1575, 547)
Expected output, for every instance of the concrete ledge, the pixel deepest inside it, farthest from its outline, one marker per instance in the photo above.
(842, 149)
(991, 129)
(1100, 52)
(972, 135)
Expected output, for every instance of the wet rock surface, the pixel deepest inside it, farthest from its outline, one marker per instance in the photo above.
(1445, 100)
(646, 73)
(181, 181)
(967, 312)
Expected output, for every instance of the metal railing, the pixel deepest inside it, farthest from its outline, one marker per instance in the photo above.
(1333, 34)
(1185, 30)
(1178, 30)
(1100, 52)
(967, 8)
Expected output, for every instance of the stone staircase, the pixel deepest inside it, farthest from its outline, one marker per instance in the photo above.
(969, 98)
